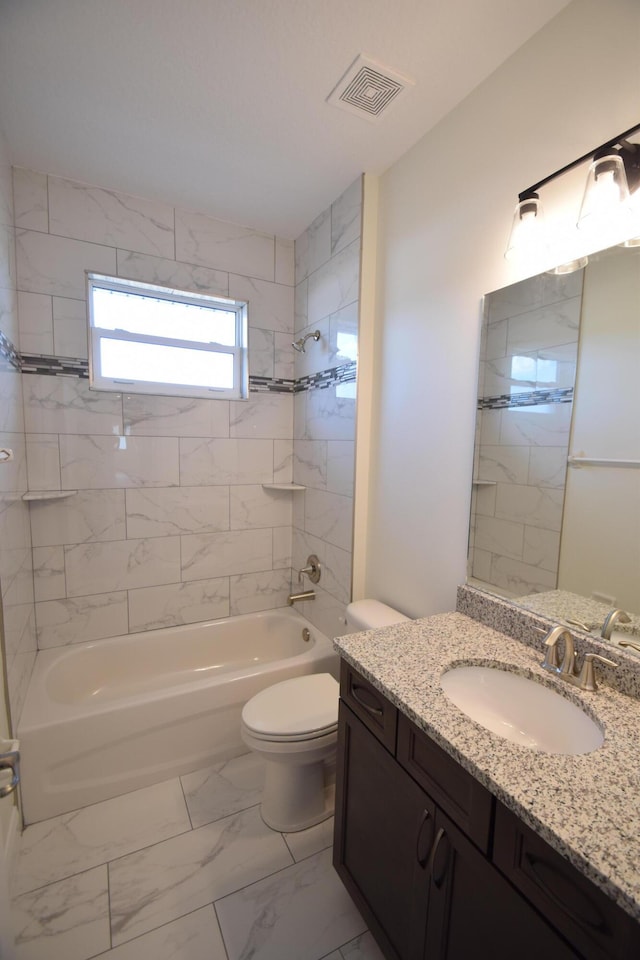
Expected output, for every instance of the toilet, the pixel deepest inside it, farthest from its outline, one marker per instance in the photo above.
(293, 725)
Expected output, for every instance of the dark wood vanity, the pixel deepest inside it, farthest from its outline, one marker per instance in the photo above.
(438, 867)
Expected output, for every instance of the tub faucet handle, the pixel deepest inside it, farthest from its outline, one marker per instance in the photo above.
(312, 569)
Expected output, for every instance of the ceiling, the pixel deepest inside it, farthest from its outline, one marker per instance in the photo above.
(220, 105)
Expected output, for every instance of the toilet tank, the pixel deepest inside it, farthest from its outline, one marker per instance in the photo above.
(371, 614)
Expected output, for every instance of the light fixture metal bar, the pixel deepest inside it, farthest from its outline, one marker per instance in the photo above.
(575, 163)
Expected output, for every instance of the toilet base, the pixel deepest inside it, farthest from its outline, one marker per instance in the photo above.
(297, 797)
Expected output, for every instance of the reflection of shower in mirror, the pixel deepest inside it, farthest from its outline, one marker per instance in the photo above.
(299, 344)
(558, 389)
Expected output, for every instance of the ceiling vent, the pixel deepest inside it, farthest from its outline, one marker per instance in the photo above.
(368, 89)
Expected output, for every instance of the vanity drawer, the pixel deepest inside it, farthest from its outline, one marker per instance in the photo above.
(590, 921)
(369, 705)
(461, 797)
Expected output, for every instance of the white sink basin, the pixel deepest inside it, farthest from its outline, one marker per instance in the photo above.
(521, 710)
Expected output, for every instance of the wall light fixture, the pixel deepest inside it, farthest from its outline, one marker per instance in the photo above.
(612, 192)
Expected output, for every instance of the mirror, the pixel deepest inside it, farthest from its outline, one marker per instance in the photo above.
(556, 484)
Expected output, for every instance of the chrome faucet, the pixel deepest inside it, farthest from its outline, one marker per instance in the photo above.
(615, 616)
(585, 680)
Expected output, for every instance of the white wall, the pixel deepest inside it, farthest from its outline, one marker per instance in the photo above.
(445, 212)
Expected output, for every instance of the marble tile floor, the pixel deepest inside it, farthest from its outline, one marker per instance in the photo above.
(183, 870)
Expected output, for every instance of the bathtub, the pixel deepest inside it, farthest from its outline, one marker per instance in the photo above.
(105, 717)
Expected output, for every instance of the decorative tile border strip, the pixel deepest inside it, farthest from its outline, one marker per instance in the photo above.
(47, 365)
(9, 356)
(55, 366)
(533, 399)
(327, 378)
(270, 385)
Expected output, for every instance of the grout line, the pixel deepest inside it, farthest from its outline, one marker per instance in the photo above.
(161, 926)
(267, 876)
(50, 883)
(224, 942)
(109, 907)
(184, 797)
(288, 847)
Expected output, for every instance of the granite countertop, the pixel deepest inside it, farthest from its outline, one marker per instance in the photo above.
(561, 604)
(587, 806)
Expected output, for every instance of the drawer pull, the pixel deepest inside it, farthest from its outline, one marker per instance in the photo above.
(361, 695)
(583, 910)
(439, 871)
(422, 848)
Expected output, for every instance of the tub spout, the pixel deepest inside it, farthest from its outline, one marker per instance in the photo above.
(296, 597)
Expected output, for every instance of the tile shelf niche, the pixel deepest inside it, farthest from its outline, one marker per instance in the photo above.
(283, 486)
(48, 494)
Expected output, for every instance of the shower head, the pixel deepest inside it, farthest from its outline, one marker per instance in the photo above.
(299, 344)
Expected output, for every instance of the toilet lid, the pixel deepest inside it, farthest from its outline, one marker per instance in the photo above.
(299, 707)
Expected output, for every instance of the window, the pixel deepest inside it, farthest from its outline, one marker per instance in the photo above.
(150, 339)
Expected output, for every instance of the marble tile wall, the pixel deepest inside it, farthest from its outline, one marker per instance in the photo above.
(527, 372)
(16, 575)
(327, 264)
(170, 523)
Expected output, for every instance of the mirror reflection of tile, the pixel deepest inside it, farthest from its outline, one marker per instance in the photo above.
(524, 502)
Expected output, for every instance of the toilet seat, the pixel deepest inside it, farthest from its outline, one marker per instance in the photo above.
(304, 708)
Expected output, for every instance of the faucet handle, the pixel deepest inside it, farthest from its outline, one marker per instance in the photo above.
(587, 678)
(580, 624)
(312, 569)
(629, 643)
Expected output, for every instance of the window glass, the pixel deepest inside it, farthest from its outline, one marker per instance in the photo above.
(115, 310)
(163, 341)
(154, 363)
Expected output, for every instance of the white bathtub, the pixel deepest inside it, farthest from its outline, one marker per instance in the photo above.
(106, 717)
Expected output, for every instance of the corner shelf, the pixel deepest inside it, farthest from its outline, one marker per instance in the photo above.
(484, 483)
(48, 494)
(283, 486)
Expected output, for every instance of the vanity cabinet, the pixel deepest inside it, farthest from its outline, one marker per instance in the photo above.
(437, 868)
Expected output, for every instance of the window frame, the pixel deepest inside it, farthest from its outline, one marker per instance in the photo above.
(97, 381)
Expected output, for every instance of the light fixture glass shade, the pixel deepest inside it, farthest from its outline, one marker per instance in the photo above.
(571, 266)
(606, 192)
(527, 237)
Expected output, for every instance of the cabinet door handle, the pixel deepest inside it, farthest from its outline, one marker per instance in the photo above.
(583, 910)
(422, 848)
(361, 694)
(438, 872)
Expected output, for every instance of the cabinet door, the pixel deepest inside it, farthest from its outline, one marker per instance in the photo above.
(383, 836)
(596, 926)
(474, 911)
